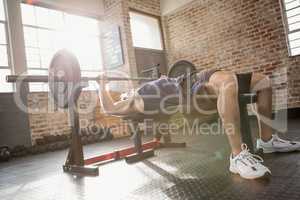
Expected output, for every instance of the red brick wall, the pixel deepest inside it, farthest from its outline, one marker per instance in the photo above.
(45, 119)
(42, 122)
(116, 15)
(239, 35)
(151, 7)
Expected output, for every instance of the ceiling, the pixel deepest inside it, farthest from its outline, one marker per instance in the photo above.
(168, 6)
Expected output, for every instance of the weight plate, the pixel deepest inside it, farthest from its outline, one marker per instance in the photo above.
(65, 65)
(188, 72)
(180, 68)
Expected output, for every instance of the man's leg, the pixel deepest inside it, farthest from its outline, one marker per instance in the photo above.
(242, 162)
(268, 143)
(228, 107)
(262, 85)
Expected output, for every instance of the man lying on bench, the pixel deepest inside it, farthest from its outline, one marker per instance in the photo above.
(223, 86)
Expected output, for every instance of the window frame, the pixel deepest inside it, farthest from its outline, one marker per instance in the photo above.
(63, 9)
(286, 26)
(160, 25)
(67, 11)
(8, 46)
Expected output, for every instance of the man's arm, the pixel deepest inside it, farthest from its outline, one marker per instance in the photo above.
(110, 107)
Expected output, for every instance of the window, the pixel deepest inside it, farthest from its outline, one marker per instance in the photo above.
(4, 64)
(292, 15)
(46, 31)
(146, 32)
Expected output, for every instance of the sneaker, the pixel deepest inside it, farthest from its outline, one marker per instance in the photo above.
(248, 165)
(277, 144)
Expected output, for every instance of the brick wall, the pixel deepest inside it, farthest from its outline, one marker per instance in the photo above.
(117, 13)
(42, 122)
(151, 7)
(46, 119)
(239, 35)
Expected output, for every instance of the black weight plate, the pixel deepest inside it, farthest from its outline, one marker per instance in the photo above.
(180, 68)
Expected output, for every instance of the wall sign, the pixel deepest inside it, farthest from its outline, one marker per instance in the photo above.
(112, 48)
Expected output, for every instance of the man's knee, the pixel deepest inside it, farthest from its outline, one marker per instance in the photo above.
(261, 82)
(228, 98)
(230, 88)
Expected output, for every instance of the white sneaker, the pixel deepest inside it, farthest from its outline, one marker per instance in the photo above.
(277, 144)
(248, 165)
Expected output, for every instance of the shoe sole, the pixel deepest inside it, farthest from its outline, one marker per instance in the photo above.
(265, 175)
(269, 151)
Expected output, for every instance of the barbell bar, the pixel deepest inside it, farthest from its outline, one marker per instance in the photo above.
(45, 79)
(64, 68)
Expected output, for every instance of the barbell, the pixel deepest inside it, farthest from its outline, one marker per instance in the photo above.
(64, 78)
(45, 79)
(66, 83)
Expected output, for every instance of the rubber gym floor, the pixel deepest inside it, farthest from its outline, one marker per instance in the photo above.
(199, 171)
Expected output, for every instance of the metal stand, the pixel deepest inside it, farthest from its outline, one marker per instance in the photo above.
(245, 98)
(75, 160)
(167, 141)
(140, 153)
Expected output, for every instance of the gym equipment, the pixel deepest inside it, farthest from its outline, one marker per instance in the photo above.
(61, 83)
(152, 71)
(140, 151)
(64, 65)
(180, 68)
(5, 153)
(65, 81)
(45, 79)
(245, 96)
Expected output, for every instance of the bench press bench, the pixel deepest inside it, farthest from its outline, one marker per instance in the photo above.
(139, 151)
